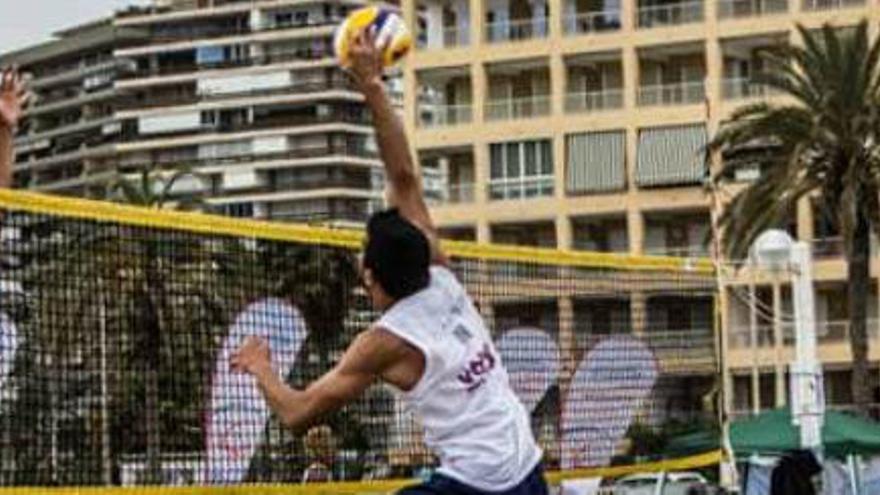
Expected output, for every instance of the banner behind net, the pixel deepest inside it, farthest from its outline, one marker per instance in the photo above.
(116, 338)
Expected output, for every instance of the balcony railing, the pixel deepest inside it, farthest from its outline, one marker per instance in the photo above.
(827, 332)
(685, 93)
(301, 55)
(518, 108)
(521, 188)
(460, 193)
(744, 87)
(835, 247)
(694, 251)
(592, 22)
(671, 14)
(591, 101)
(516, 30)
(456, 36)
(445, 115)
(734, 9)
(831, 4)
(352, 149)
(190, 98)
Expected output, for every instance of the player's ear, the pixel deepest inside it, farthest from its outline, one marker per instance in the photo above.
(368, 278)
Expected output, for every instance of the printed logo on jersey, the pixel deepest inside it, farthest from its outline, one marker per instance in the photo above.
(473, 376)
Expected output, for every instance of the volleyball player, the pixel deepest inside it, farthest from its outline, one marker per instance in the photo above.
(430, 342)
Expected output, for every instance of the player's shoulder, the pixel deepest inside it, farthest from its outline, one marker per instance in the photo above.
(379, 344)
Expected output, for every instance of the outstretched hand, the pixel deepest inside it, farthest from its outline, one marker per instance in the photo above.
(365, 59)
(252, 357)
(13, 98)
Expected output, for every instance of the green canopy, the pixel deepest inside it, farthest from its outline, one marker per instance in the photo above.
(772, 432)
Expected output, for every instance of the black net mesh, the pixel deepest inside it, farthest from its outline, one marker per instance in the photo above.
(116, 338)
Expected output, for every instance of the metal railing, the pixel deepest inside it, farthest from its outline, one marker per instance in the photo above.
(301, 55)
(693, 251)
(827, 332)
(517, 30)
(445, 115)
(743, 87)
(314, 86)
(670, 14)
(518, 108)
(735, 9)
(456, 36)
(684, 93)
(521, 188)
(831, 4)
(590, 101)
(460, 193)
(592, 22)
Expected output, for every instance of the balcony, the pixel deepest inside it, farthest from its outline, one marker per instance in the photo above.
(827, 333)
(669, 14)
(445, 115)
(603, 235)
(518, 108)
(591, 22)
(593, 101)
(683, 235)
(742, 88)
(443, 24)
(520, 188)
(739, 9)
(812, 5)
(517, 30)
(683, 93)
(192, 97)
(448, 175)
(444, 97)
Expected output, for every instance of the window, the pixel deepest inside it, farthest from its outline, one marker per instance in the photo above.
(239, 210)
(521, 169)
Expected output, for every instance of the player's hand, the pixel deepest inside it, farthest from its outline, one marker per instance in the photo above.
(13, 98)
(366, 60)
(252, 357)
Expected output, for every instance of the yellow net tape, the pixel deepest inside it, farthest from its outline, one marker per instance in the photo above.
(274, 231)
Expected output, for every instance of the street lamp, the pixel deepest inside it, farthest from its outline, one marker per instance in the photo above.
(776, 251)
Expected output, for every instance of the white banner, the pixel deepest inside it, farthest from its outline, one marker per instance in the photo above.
(613, 380)
(238, 414)
(531, 358)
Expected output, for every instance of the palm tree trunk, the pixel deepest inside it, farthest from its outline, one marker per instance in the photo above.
(859, 266)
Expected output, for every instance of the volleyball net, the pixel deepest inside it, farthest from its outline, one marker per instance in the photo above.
(117, 324)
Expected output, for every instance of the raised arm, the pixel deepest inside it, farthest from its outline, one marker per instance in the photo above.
(366, 359)
(13, 97)
(404, 183)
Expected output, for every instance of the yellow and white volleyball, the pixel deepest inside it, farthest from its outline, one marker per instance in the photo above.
(387, 26)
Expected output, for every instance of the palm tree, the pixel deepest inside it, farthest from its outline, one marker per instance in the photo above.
(823, 143)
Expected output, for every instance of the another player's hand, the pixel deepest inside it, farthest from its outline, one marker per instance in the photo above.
(365, 60)
(252, 357)
(13, 98)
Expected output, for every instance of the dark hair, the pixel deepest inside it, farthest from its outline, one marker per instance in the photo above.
(398, 254)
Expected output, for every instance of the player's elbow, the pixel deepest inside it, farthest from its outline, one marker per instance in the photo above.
(405, 179)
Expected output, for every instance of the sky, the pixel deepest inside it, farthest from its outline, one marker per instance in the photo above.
(27, 22)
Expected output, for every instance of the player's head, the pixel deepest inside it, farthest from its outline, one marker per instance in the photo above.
(396, 259)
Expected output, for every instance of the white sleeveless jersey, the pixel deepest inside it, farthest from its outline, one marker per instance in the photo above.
(473, 420)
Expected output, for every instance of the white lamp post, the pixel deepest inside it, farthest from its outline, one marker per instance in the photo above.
(776, 251)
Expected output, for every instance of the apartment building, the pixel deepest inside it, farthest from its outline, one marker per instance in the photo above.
(579, 124)
(245, 96)
(70, 133)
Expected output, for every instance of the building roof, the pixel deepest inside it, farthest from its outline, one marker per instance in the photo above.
(68, 41)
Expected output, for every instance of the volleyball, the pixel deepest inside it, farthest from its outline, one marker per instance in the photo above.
(387, 26)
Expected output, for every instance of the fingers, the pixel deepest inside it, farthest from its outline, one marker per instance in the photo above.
(6, 82)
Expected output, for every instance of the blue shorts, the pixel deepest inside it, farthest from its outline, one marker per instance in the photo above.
(443, 485)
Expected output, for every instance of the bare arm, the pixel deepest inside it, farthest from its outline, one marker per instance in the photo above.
(363, 363)
(13, 98)
(404, 183)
